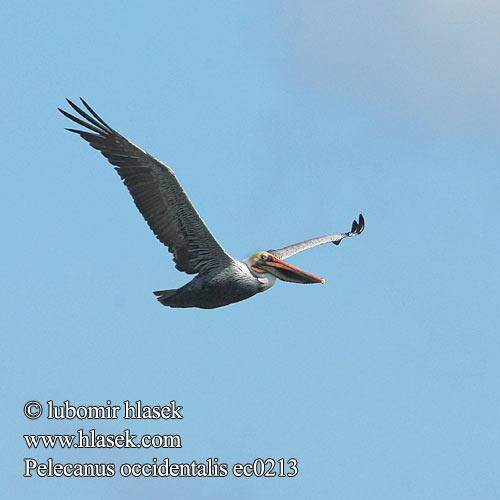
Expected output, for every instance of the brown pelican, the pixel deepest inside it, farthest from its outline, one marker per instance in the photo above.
(220, 280)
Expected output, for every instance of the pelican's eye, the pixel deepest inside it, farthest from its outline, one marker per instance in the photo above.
(264, 257)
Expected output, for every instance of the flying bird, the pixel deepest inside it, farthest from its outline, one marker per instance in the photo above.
(220, 280)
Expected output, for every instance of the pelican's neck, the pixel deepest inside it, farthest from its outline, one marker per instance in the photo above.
(266, 280)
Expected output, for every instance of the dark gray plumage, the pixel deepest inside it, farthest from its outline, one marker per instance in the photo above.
(157, 194)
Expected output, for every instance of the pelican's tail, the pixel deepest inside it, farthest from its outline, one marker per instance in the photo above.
(164, 295)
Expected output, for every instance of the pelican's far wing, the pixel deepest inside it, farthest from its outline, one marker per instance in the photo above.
(283, 253)
(156, 193)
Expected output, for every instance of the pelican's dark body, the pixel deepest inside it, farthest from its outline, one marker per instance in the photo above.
(215, 289)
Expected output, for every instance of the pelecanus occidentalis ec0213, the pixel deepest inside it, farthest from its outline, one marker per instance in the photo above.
(220, 280)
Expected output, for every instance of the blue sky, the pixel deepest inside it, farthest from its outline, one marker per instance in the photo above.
(283, 121)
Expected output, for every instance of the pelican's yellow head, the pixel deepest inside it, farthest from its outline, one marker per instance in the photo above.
(264, 262)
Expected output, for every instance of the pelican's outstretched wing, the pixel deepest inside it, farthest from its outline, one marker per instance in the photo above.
(283, 253)
(157, 194)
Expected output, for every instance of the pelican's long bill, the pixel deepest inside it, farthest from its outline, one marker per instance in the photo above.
(283, 270)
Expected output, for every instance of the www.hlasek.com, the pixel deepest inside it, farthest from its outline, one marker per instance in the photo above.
(91, 439)
(211, 467)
